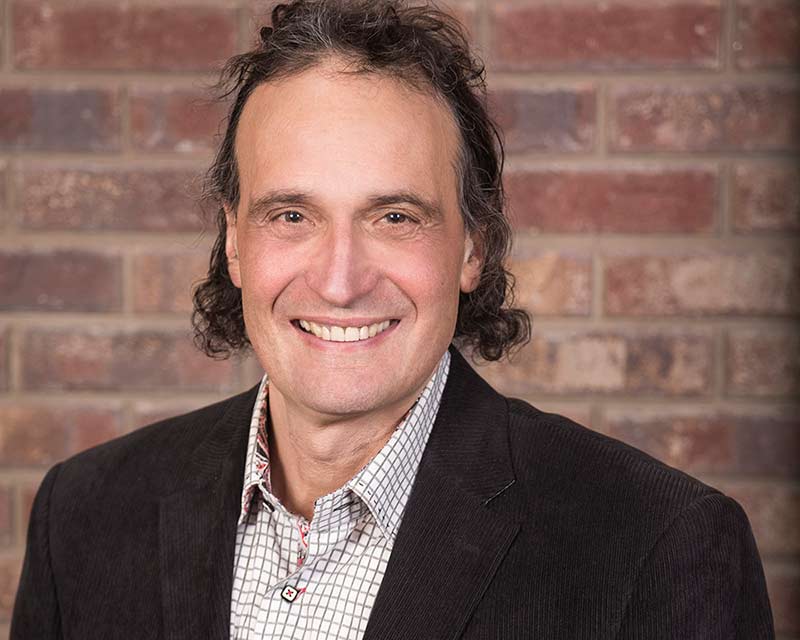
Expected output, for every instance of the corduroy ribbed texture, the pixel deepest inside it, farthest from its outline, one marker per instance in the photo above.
(520, 524)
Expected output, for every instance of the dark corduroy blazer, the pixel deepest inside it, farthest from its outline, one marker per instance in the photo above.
(521, 524)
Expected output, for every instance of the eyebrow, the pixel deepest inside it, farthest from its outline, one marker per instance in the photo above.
(264, 203)
(282, 197)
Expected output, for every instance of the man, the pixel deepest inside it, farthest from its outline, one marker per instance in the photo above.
(372, 485)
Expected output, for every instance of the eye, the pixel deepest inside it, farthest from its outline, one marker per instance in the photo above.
(292, 217)
(395, 217)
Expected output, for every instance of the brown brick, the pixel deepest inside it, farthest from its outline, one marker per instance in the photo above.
(163, 282)
(763, 362)
(773, 509)
(28, 492)
(546, 120)
(767, 34)
(608, 35)
(763, 117)
(10, 568)
(7, 502)
(562, 362)
(783, 585)
(121, 35)
(147, 412)
(42, 435)
(107, 359)
(709, 441)
(170, 119)
(768, 444)
(3, 192)
(703, 284)
(5, 363)
(39, 119)
(625, 201)
(766, 197)
(59, 280)
(97, 198)
(551, 283)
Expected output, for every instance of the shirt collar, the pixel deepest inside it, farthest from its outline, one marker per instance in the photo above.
(384, 484)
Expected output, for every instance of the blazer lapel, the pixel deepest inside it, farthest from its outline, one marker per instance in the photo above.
(197, 531)
(450, 542)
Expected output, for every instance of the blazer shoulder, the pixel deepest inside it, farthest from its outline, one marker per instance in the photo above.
(595, 467)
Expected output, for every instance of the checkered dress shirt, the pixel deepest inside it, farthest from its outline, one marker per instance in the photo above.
(299, 579)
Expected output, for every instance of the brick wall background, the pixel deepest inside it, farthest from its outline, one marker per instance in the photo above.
(655, 189)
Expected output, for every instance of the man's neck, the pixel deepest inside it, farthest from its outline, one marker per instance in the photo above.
(312, 456)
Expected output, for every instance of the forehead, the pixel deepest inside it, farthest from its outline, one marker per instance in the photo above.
(363, 131)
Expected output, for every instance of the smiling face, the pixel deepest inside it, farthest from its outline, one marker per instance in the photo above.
(348, 243)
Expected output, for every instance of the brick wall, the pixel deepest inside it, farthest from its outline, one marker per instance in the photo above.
(654, 184)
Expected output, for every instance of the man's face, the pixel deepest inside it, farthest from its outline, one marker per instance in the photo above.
(348, 243)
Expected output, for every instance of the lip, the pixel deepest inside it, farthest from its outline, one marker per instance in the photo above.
(319, 343)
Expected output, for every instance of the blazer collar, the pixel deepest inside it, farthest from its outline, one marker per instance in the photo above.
(450, 542)
(197, 530)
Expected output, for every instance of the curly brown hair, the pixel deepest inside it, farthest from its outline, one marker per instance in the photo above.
(419, 45)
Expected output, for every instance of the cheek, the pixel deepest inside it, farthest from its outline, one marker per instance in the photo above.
(430, 278)
(265, 274)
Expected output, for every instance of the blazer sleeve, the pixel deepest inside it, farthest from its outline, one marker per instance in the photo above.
(36, 613)
(703, 580)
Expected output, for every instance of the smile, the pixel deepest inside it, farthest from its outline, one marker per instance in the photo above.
(334, 333)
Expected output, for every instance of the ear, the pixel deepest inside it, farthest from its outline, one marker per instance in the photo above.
(472, 266)
(232, 247)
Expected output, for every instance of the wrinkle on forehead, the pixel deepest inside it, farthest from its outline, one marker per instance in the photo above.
(269, 108)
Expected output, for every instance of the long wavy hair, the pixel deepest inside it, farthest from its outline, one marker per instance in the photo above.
(424, 47)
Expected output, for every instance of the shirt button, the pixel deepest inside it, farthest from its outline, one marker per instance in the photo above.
(289, 593)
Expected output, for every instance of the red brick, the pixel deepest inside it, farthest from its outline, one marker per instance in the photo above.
(546, 119)
(767, 34)
(763, 117)
(703, 284)
(692, 441)
(550, 283)
(121, 35)
(709, 441)
(42, 435)
(783, 585)
(10, 568)
(38, 119)
(163, 282)
(605, 35)
(624, 200)
(170, 119)
(605, 362)
(59, 280)
(773, 509)
(763, 362)
(108, 359)
(103, 199)
(766, 197)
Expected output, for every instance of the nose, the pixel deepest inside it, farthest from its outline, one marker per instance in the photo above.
(342, 271)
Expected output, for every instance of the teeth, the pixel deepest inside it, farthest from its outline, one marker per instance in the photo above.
(334, 333)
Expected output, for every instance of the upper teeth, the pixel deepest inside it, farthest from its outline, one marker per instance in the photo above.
(344, 334)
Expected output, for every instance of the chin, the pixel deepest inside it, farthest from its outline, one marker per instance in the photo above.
(341, 402)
